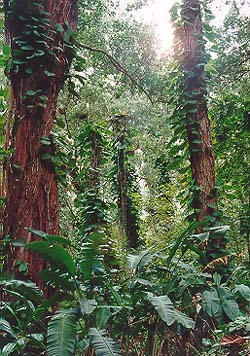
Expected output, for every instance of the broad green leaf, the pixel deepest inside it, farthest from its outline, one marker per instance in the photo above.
(202, 237)
(58, 279)
(117, 296)
(231, 309)
(59, 239)
(164, 307)
(6, 50)
(102, 316)
(183, 319)
(37, 336)
(243, 290)
(82, 346)
(18, 243)
(103, 346)
(210, 302)
(213, 206)
(143, 282)
(92, 255)
(180, 240)
(137, 262)
(39, 233)
(44, 98)
(62, 334)
(45, 141)
(46, 156)
(21, 289)
(55, 159)
(217, 278)
(224, 293)
(52, 238)
(54, 253)
(58, 27)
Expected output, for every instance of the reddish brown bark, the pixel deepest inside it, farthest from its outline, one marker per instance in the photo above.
(197, 122)
(32, 196)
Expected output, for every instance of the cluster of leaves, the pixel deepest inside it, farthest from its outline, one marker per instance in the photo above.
(158, 297)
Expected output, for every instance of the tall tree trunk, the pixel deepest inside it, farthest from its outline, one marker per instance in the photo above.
(128, 219)
(197, 122)
(40, 60)
(122, 182)
(94, 173)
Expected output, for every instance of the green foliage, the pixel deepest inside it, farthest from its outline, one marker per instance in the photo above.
(137, 262)
(62, 334)
(221, 302)
(168, 287)
(21, 324)
(164, 307)
(103, 346)
(55, 253)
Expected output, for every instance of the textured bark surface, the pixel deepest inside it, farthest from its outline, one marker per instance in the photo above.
(128, 219)
(32, 196)
(94, 174)
(197, 123)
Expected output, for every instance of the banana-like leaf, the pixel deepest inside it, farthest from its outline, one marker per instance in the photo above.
(180, 240)
(214, 232)
(62, 333)
(103, 346)
(54, 253)
(58, 279)
(164, 307)
(137, 262)
(115, 294)
(51, 238)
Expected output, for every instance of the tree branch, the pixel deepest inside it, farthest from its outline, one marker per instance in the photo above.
(116, 64)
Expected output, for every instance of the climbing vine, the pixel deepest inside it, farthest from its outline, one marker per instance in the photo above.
(191, 121)
(37, 46)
